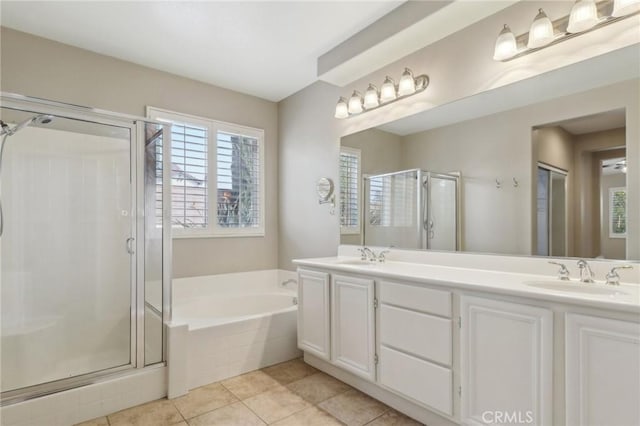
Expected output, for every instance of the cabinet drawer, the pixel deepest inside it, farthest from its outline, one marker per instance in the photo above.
(422, 299)
(419, 334)
(420, 380)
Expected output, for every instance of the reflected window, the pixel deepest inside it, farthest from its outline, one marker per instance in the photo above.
(617, 212)
(349, 190)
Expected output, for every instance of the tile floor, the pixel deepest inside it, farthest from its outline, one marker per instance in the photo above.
(288, 394)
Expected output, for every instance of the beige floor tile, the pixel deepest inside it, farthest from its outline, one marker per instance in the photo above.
(353, 407)
(249, 384)
(276, 404)
(100, 421)
(156, 413)
(203, 399)
(312, 416)
(236, 414)
(318, 387)
(393, 418)
(290, 371)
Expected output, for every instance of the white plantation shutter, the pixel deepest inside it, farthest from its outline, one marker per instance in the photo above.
(189, 170)
(350, 191)
(217, 176)
(618, 212)
(238, 181)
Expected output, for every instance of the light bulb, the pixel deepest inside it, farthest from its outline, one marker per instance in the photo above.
(371, 97)
(541, 32)
(388, 90)
(625, 7)
(584, 15)
(407, 85)
(342, 110)
(506, 46)
(355, 103)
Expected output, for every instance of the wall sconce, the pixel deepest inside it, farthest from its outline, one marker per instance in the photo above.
(389, 92)
(585, 16)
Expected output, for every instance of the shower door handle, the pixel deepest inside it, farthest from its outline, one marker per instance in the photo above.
(130, 249)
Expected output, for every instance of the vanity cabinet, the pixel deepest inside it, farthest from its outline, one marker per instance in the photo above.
(313, 313)
(602, 369)
(506, 361)
(352, 325)
(416, 342)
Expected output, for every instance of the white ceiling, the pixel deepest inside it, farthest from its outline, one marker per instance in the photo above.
(266, 49)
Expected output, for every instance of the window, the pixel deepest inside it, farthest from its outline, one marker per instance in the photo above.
(618, 212)
(349, 191)
(217, 176)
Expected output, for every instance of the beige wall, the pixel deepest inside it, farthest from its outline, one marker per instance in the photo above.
(589, 149)
(46, 69)
(459, 66)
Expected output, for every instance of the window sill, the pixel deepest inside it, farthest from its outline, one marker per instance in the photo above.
(256, 234)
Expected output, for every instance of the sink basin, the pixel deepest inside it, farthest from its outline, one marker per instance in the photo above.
(574, 287)
(355, 262)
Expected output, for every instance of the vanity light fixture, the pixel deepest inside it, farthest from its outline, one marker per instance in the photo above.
(355, 103)
(342, 110)
(584, 16)
(389, 92)
(541, 31)
(371, 97)
(407, 85)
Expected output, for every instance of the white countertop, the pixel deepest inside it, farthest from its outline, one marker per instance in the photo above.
(625, 297)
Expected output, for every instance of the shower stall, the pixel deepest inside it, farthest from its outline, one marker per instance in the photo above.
(414, 209)
(84, 247)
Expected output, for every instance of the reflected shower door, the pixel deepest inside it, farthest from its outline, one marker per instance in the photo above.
(391, 210)
(443, 213)
(66, 269)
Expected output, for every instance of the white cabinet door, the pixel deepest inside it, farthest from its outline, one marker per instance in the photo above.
(352, 325)
(507, 362)
(313, 313)
(602, 371)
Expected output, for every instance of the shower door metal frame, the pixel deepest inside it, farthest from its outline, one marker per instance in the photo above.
(137, 272)
(426, 204)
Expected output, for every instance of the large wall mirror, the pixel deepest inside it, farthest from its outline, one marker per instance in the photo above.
(546, 178)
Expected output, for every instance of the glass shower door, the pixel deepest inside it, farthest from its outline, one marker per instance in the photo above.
(67, 250)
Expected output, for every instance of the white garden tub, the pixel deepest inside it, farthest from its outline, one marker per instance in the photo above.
(235, 323)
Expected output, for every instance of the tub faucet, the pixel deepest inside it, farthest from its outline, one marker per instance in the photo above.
(586, 274)
(289, 281)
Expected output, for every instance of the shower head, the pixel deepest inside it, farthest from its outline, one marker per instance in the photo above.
(37, 119)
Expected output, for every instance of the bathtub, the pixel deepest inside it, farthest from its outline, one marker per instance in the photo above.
(228, 324)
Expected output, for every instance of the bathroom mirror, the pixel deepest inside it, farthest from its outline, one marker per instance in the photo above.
(324, 189)
(546, 178)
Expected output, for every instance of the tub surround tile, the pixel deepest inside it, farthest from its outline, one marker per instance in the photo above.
(100, 421)
(394, 418)
(250, 384)
(318, 387)
(276, 404)
(312, 416)
(236, 414)
(156, 413)
(204, 399)
(354, 408)
(290, 371)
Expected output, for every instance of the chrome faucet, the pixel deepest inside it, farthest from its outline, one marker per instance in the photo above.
(367, 254)
(586, 274)
(613, 278)
(563, 272)
(382, 254)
